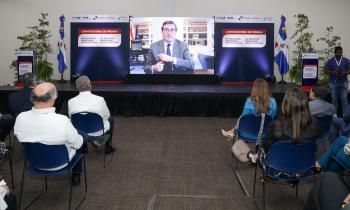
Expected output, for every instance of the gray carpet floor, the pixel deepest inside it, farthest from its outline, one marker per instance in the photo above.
(167, 163)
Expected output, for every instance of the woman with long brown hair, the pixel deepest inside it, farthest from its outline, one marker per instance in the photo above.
(296, 123)
(260, 101)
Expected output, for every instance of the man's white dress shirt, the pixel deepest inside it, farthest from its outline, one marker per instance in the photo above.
(88, 102)
(47, 127)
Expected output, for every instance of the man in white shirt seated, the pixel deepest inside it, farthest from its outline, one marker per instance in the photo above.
(43, 125)
(88, 102)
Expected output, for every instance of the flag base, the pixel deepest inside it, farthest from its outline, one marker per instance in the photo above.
(62, 80)
(282, 82)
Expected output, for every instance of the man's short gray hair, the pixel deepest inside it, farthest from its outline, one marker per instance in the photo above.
(83, 83)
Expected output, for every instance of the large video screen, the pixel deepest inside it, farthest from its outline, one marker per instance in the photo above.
(171, 45)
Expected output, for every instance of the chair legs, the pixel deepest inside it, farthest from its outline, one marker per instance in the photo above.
(11, 169)
(21, 190)
(70, 190)
(45, 184)
(254, 181)
(84, 197)
(104, 157)
(263, 189)
(85, 175)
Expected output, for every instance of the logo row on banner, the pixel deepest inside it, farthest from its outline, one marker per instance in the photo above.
(219, 19)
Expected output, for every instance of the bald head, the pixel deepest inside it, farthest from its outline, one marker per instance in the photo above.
(44, 93)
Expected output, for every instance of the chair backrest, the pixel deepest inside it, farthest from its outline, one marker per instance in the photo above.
(249, 126)
(291, 158)
(206, 61)
(87, 122)
(44, 156)
(324, 123)
(341, 164)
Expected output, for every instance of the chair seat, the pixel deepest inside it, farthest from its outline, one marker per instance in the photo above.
(249, 137)
(290, 158)
(288, 161)
(38, 155)
(64, 171)
(288, 176)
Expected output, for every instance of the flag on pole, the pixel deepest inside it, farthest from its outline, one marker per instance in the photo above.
(131, 34)
(281, 48)
(61, 54)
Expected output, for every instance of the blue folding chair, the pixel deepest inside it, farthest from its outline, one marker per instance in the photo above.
(39, 156)
(290, 162)
(249, 125)
(324, 125)
(248, 130)
(87, 123)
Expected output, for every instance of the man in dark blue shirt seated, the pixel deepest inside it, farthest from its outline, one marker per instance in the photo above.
(6, 125)
(19, 101)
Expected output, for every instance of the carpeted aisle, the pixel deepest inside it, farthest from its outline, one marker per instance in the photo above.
(167, 163)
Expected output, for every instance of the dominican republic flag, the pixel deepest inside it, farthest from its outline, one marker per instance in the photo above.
(281, 48)
(61, 53)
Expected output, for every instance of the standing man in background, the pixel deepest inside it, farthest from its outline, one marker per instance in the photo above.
(169, 55)
(338, 69)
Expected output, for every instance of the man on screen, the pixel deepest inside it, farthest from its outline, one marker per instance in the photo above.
(169, 55)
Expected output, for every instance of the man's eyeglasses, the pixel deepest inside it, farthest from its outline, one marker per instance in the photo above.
(169, 30)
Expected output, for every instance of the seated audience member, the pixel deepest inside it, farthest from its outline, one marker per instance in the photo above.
(317, 105)
(6, 125)
(260, 101)
(43, 125)
(296, 123)
(88, 102)
(341, 150)
(8, 199)
(330, 192)
(19, 101)
(340, 126)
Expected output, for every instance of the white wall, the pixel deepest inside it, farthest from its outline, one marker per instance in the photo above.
(16, 15)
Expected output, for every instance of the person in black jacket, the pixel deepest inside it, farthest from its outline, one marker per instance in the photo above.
(19, 101)
(330, 192)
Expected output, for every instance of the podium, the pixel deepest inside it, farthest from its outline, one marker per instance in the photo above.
(26, 63)
(309, 69)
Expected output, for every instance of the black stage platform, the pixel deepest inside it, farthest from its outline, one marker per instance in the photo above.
(215, 100)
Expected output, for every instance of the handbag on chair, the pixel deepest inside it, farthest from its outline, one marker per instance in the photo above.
(240, 150)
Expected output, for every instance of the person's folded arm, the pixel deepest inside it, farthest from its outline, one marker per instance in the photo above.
(73, 138)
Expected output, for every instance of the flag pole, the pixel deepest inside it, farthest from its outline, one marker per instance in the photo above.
(61, 54)
(62, 80)
(282, 82)
(281, 50)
